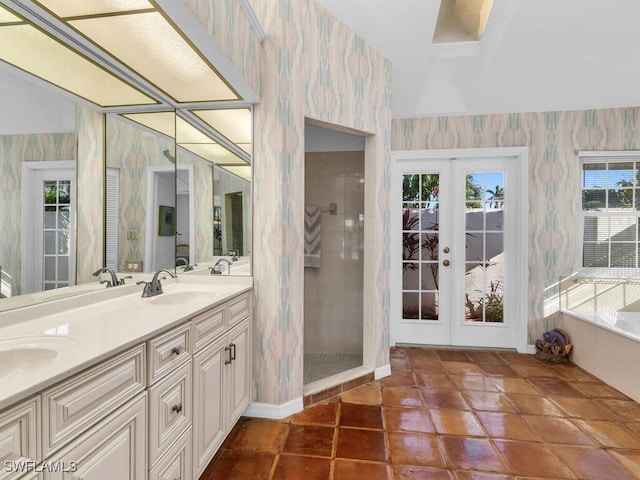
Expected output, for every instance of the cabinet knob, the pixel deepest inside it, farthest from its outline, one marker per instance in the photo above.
(176, 350)
(177, 408)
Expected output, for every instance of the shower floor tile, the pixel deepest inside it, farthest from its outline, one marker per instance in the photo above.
(322, 365)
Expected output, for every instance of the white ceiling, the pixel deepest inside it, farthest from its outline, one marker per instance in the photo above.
(536, 55)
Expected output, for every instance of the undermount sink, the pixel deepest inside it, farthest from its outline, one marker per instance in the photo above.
(177, 298)
(23, 355)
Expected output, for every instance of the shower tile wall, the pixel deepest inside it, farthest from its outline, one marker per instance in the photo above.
(333, 292)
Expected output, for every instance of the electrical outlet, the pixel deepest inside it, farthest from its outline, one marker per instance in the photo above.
(132, 234)
(133, 266)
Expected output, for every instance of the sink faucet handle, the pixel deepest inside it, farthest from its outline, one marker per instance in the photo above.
(106, 282)
(121, 281)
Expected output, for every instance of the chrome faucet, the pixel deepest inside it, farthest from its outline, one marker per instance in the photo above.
(154, 287)
(217, 268)
(233, 254)
(114, 282)
(182, 262)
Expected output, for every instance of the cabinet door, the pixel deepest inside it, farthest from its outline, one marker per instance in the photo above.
(240, 373)
(209, 373)
(113, 448)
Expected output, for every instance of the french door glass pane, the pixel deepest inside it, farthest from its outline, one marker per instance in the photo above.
(57, 233)
(484, 247)
(420, 245)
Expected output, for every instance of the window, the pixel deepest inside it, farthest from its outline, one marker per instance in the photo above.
(610, 197)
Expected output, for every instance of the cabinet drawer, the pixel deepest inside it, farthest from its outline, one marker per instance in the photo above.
(207, 326)
(19, 441)
(176, 464)
(72, 406)
(239, 308)
(168, 350)
(169, 410)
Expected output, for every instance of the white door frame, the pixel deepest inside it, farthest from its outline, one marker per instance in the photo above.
(28, 242)
(519, 283)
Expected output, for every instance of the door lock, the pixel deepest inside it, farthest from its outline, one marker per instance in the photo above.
(446, 250)
(445, 263)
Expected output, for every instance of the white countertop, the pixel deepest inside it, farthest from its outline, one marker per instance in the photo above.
(94, 326)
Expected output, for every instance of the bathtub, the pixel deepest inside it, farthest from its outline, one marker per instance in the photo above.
(607, 345)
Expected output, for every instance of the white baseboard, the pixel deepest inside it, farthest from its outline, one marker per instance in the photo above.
(381, 372)
(272, 411)
(531, 349)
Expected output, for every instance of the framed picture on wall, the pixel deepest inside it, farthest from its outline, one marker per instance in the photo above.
(166, 221)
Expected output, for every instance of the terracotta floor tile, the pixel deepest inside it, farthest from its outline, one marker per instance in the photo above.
(361, 444)
(599, 390)
(407, 419)
(260, 435)
(399, 378)
(444, 399)
(610, 434)
(573, 373)
(310, 440)
(420, 473)
(483, 356)
(554, 387)
(474, 382)
(498, 370)
(366, 394)
(489, 401)
(507, 425)
(629, 459)
(447, 414)
(513, 358)
(456, 422)
(481, 476)
(462, 368)
(534, 405)
(535, 371)
(361, 416)
(242, 465)
(471, 454)
(441, 381)
(532, 459)
(453, 356)
(590, 463)
(294, 467)
(322, 414)
(557, 430)
(415, 449)
(401, 397)
(358, 470)
(626, 410)
(514, 385)
(584, 408)
(426, 365)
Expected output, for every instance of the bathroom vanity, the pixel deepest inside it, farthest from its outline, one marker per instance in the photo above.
(113, 385)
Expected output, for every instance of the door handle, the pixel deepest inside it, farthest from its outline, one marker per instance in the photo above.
(233, 351)
(446, 249)
(445, 263)
(229, 359)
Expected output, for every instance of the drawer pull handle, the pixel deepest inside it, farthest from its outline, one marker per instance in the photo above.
(233, 350)
(176, 350)
(228, 349)
(177, 408)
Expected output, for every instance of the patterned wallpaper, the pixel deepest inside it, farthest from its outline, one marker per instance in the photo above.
(15, 149)
(312, 66)
(90, 211)
(554, 138)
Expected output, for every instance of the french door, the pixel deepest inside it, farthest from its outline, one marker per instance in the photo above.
(458, 243)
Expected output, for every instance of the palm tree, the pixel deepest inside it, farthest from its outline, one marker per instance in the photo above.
(497, 196)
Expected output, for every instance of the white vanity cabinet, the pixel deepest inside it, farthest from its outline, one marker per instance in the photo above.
(19, 437)
(113, 448)
(221, 378)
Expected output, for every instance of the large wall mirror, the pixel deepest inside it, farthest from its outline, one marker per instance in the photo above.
(85, 184)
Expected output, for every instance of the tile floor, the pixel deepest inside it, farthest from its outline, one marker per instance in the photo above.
(448, 414)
